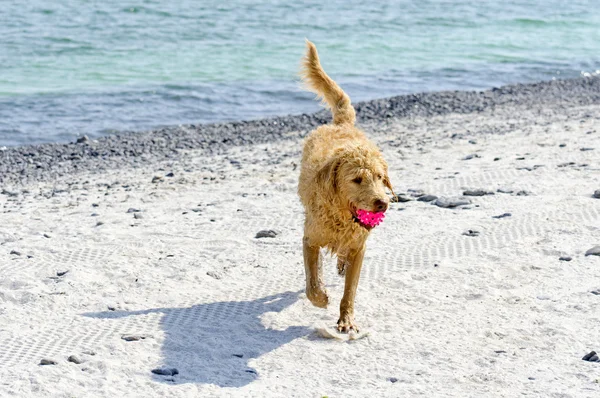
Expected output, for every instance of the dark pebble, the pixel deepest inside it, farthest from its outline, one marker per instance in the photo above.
(565, 258)
(587, 357)
(502, 215)
(165, 371)
(401, 199)
(586, 149)
(472, 156)
(16, 253)
(74, 359)
(594, 251)
(48, 362)
(427, 198)
(594, 359)
(596, 292)
(170, 175)
(562, 145)
(239, 355)
(62, 273)
(477, 192)
(133, 337)
(505, 190)
(137, 216)
(471, 232)
(94, 214)
(132, 210)
(46, 236)
(266, 233)
(393, 379)
(496, 159)
(597, 194)
(156, 179)
(94, 204)
(99, 223)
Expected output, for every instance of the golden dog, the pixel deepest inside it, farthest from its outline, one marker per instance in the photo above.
(342, 172)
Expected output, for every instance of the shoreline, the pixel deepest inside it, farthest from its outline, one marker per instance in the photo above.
(44, 162)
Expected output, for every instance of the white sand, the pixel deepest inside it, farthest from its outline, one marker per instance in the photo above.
(499, 316)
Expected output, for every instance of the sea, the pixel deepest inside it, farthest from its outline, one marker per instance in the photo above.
(96, 67)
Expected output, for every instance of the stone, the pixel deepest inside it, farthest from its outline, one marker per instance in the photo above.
(477, 192)
(471, 232)
(427, 198)
(565, 258)
(450, 203)
(74, 359)
(165, 371)
(596, 194)
(587, 356)
(594, 251)
(504, 215)
(266, 233)
(133, 337)
(48, 362)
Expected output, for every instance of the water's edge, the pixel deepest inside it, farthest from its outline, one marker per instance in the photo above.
(29, 163)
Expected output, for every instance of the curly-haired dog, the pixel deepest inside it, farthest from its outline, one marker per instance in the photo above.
(342, 172)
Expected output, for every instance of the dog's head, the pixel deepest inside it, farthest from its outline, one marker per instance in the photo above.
(356, 178)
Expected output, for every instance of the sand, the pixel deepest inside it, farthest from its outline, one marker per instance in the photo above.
(164, 253)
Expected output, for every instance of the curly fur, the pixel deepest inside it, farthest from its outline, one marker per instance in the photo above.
(341, 171)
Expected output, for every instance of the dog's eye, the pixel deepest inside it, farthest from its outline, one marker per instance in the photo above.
(357, 180)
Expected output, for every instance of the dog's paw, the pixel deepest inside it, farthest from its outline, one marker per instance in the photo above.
(318, 297)
(346, 323)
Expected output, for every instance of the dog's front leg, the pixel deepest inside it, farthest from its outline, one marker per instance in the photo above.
(313, 266)
(354, 265)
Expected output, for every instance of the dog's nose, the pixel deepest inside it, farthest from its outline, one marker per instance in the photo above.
(380, 206)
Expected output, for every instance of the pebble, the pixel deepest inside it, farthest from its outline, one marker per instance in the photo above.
(496, 159)
(502, 215)
(46, 236)
(132, 210)
(589, 356)
(48, 362)
(597, 194)
(427, 198)
(393, 379)
(239, 355)
(401, 199)
(138, 216)
(214, 274)
(596, 292)
(450, 203)
(99, 223)
(156, 179)
(471, 232)
(170, 175)
(505, 190)
(565, 258)
(471, 156)
(165, 371)
(266, 233)
(62, 273)
(477, 192)
(594, 251)
(133, 337)
(82, 139)
(562, 145)
(74, 359)
(16, 253)
(586, 149)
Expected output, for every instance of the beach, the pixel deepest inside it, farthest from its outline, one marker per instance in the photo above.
(137, 252)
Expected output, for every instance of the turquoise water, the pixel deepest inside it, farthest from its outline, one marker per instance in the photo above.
(79, 67)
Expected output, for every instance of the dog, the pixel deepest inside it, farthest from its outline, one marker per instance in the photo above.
(341, 172)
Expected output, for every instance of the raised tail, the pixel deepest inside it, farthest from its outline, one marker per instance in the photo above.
(317, 81)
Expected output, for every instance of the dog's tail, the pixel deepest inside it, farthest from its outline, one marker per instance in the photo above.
(317, 81)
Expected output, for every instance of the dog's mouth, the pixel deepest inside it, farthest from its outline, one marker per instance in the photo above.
(367, 219)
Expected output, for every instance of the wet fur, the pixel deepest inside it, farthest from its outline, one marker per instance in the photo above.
(335, 156)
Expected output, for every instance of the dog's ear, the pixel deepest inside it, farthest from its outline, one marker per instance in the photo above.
(327, 176)
(388, 184)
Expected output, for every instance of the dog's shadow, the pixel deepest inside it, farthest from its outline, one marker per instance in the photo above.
(213, 343)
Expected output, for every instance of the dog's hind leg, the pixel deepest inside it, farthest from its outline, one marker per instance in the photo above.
(355, 260)
(313, 266)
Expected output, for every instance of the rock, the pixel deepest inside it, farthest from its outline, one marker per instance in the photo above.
(62, 273)
(170, 175)
(586, 149)
(47, 236)
(594, 251)
(214, 274)
(165, 371)
(523, 193)
(596, 194)
(473, 142)
(133, 337)
(138, 216)
(132, 210)
(99, 223)
(156, 179)
(477, 192)
(594, 359)
(505, 190)
(596, 292)
(266, 233)
(74, 359)
(400, 199)
(239, 355)
(587, 357)
(427, 198)
(450, 203)
(562, 145)
(503, 215)
(496, 159)
(565, 258)
(472, 156)
(393, 379)
(48, 362)
(14, 252)
(471, 232)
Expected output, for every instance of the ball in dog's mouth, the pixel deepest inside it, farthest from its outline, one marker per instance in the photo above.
(369, 218)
